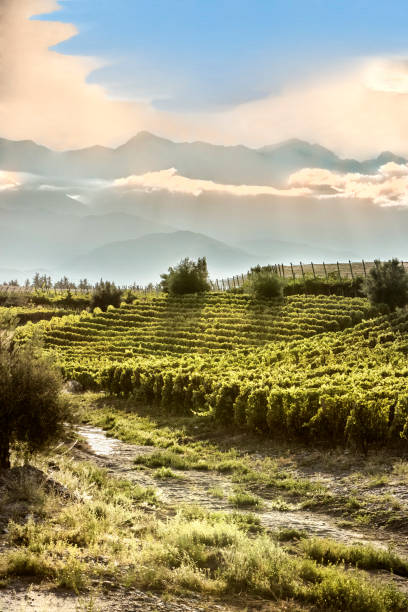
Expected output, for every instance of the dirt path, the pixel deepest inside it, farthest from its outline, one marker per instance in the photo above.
(29, 598)
(194, 487)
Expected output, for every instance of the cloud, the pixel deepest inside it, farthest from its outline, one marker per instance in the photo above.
(173, 182)
(388, 187)
(356, 110)
(44, 95)
(9, 180)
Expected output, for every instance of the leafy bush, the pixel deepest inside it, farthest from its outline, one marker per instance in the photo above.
(31, 412)
(188, 277)
(265, 285)
(106, 294)
(387, 283)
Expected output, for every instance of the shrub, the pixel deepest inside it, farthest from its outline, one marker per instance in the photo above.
(188, 277)
(265, 285)
(387, 283)
(31, 412)
(106, 294)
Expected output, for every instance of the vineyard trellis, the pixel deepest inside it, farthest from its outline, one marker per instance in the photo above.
(291, 271)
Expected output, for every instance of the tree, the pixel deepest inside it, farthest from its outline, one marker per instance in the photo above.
(31, 411)
(84, 285)
(106, 294)
(64, 283)
(187, 277)
(387, 283)
(265, 284)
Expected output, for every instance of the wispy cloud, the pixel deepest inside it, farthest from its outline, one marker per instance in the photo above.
(173, 182)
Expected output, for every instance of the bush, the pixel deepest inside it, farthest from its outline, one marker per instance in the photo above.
(387, 283)
(188, 277)
(31, 412)
(265, 285)
(106, 294)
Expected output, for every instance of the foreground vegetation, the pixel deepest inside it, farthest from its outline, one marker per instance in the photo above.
(112, 531)
(228, 389)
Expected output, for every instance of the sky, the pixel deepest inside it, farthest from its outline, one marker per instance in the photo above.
(76, 73)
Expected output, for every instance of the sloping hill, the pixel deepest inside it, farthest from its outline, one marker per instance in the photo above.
(145, 258)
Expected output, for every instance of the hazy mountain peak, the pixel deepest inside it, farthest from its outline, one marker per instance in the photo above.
(388, 156)
(143, 138)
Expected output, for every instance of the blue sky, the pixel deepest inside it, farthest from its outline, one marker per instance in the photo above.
(194, 55)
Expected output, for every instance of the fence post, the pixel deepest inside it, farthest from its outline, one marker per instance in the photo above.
(351, 269)
(293, 272)
(324, 268)
(314, 273)
(364, 268)
(283, 270)
(338, 270)
(303, 272)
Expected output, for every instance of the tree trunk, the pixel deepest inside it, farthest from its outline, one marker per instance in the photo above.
(4, 452)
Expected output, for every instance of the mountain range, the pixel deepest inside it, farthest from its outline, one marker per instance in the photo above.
(270, 165)
(67, 215)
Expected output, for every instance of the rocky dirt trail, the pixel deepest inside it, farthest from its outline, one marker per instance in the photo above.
(29, 598)
(194, 487)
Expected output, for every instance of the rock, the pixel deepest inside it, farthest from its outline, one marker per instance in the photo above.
(17, 478)
(73, 386)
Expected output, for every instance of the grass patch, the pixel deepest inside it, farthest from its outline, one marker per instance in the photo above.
(244, 499)
(165, 473)
(289, 534)
(172, 459)
(216, 492)
(363, 556)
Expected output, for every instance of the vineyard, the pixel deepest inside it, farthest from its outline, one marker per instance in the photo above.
(321, 367)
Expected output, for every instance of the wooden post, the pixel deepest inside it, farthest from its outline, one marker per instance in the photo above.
(283, 270)
(324, 268)
(293, 272)
(351, 270)
(314, 273)
(303, 272)
(364, 268)
(338, 270)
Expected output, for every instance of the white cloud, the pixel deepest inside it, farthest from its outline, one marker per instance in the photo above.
(356, 110)
(389, 187)
(44, 94)
(173, 182)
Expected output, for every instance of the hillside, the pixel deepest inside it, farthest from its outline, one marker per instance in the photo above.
(144, 259)
(286, 355)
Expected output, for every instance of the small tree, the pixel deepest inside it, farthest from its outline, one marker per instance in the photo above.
(188, 277)
(265, 285)
(387, 283)
(106, 294)
(31, 411)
